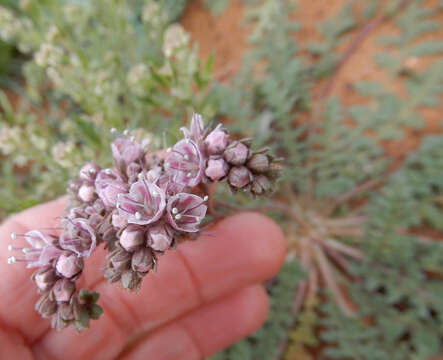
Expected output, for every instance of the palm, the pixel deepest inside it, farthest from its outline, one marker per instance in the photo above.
(205, 296)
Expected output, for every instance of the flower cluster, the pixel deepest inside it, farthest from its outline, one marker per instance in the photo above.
(139, 209)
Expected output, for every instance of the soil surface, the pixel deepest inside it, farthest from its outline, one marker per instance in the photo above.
(227, 36)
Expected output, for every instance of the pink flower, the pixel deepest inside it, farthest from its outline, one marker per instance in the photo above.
(42, 250)
(78, 237)
(89, 172)
(125, 152)
(216, 169)
(160, 237)
(185, 212)
(108, 185)
(144, 204)
(185, 163)
(216, 141)
(197, 129)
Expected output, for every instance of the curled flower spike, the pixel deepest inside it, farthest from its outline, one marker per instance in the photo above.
(139, 209)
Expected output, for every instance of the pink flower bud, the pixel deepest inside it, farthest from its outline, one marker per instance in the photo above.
(69, 265)
(125, 152)
(121, 260)
(236, 153)
(86, 193)
(216, 141)
(45, 306)
(258, 163)
(239, 177)
(216, 169)
(45, 278)
(131, 238)
(142, 260)
(260, 185)
(160, 237)
(108, 185)
(89, 172)
(63, 290)
(118, 221)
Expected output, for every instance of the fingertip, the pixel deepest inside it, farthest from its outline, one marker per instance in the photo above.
(265, 239)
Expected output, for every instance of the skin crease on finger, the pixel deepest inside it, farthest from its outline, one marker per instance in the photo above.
(250, 245)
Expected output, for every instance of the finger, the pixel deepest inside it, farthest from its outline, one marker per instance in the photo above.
(242, 250)
(18, 293)
(206, 330)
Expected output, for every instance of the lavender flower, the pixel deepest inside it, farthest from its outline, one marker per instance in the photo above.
(125, 151)
(185, 163)
(144, 204)
(236, 153)
(239, 177)
(78, 237)
(63, 290)
(197, 129)
(186, 211)
(109, 183)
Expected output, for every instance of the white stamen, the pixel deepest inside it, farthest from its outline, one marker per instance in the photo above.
(92, 171)
(11, 260)
(25, 250)
(113, 130)
(138, 216)
(140, 176)
(13, 236)
(186, 157)
(206, 198)
(120, 195)
(167, 165)
(132, 138)
(187, 141)
(10, 248)
(108, 171)
(174, 211)
(189, 174)
(126, 132)
(154, 193)
(178, 216)
(168, 150)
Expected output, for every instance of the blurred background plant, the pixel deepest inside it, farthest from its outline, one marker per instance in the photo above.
(363, 222)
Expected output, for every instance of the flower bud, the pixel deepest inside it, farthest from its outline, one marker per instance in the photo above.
(132, 171)
(69, 265)
(159, 238)
(65, 311)
(142, 260)
(239, 177)
(260, 185)
(118, 221)
(216, 141)
(258, 163)
(216, 169)
(89, 172)
(121, 260)
(86, 193)
(130, 280)
(131, 238)
(45, 306)
(63, 290)
(45, 278)
(236, 153)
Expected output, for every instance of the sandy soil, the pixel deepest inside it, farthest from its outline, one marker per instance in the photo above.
(227, 36)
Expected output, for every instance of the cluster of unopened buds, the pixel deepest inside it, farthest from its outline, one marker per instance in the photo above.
(140, 208)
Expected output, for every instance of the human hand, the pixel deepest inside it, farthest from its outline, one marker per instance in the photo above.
(205, 296)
